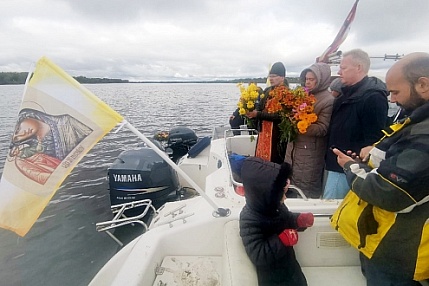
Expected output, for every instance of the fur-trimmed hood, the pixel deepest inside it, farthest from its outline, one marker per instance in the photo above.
(264, 182)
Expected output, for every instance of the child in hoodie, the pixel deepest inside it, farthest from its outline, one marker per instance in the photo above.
(268, 229)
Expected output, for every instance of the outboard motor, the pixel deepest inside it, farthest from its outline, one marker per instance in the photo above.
(180, 140)
(142, 174)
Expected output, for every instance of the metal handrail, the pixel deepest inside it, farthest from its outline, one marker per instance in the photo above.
(300, 192)
(120, 219)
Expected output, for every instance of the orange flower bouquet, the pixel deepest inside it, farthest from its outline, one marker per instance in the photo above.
(296, 107)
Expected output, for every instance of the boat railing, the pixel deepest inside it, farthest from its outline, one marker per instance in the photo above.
(220, 132)
(250, 135)
(300, 192)
(120, 219)
(247, 133)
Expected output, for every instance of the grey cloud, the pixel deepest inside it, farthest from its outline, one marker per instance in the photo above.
(129, 11)
(200, 38)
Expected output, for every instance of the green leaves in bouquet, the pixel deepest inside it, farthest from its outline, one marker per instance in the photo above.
(288, 130)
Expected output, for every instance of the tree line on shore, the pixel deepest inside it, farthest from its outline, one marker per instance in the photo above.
(20, 77)
(10, 78)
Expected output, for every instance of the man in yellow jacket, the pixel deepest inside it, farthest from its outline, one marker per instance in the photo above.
(385, 215)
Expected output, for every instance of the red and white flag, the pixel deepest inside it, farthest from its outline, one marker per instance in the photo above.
(341, 36)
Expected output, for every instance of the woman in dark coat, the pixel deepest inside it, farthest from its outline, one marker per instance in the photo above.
(268, 229)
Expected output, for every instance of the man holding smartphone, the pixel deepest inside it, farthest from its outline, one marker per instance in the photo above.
(386, 213)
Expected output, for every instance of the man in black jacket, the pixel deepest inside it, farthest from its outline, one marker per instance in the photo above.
(358, 116)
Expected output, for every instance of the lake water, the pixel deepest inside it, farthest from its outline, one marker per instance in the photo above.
(63, 247)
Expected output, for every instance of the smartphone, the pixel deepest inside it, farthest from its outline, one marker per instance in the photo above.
(341, 150)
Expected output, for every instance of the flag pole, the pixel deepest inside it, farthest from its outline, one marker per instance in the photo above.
(220, 211)
(30, 73)
(340, 37)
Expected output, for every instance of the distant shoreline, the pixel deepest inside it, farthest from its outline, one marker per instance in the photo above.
(12, 78)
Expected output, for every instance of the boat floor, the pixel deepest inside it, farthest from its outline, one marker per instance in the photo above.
(232, 267)
(189, 270)
(206, 270)
(339, 275)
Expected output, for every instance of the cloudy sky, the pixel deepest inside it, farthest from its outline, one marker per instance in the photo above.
(201, 39)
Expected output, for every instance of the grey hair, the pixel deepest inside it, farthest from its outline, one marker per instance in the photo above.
(359, 57)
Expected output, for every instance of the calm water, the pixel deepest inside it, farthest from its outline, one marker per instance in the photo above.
(63, 247)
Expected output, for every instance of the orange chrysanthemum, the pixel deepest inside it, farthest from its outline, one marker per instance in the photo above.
(296, 108)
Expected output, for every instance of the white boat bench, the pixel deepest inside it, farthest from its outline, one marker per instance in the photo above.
(338, 275)
(239, 270)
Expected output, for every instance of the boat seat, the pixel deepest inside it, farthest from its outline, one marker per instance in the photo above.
(338, 275)
(242, 145)
(238, 270)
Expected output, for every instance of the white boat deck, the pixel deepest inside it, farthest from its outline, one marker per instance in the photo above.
(188, 244)
(233, 267)
(189, 270)
(338, 275)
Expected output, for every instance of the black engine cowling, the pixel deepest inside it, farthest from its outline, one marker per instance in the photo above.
(180, 140)
(142, 174)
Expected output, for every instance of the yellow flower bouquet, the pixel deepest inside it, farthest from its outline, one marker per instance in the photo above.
(296, 107)
(248, 99)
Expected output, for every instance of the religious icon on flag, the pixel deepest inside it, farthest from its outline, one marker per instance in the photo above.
(58, 123)
(42, 141)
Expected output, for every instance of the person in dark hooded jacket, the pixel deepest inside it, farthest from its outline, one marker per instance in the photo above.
(268, 229)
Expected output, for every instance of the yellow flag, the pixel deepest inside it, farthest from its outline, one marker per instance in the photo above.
(58, 123)
(268, 83)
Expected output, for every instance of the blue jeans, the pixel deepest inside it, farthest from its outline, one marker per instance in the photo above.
(376, 277)
(336, 186)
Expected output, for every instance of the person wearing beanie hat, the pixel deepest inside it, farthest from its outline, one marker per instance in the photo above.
(278, 69)
(306, 154)
(269, 146)
(267, 228)
(335, 87)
